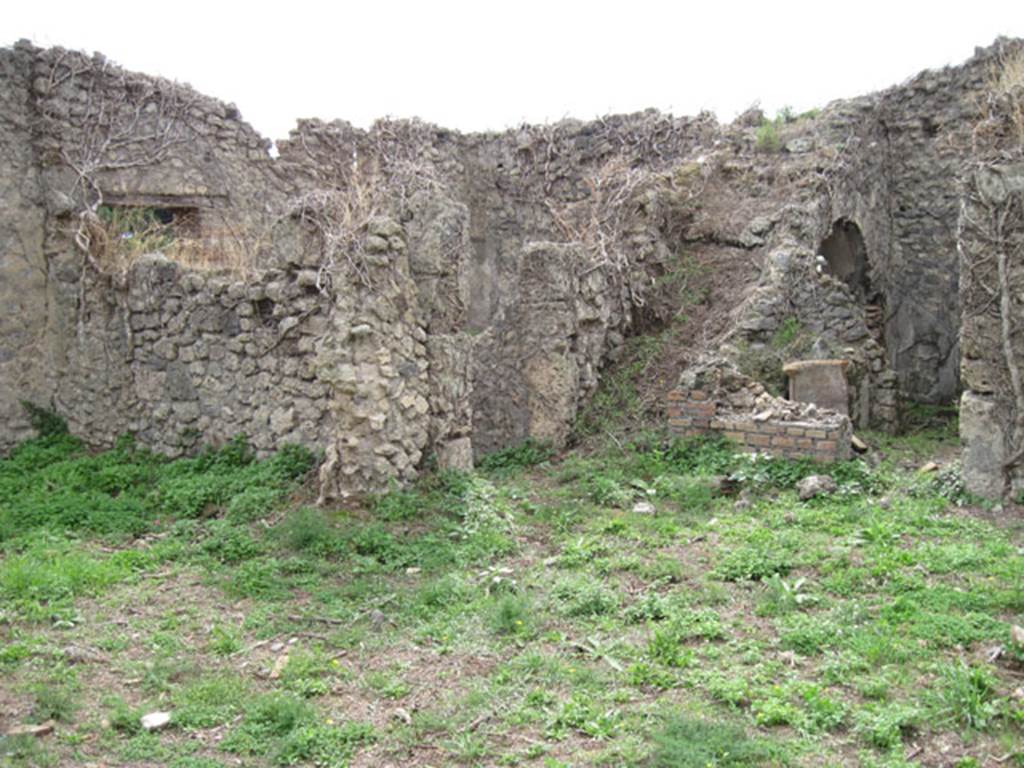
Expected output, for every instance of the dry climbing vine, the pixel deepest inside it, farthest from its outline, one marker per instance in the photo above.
(358, 177)
(991, 243)
(119, 122)
(990, 240)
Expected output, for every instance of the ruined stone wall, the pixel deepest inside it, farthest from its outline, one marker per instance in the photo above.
(179, 357)
(101, 133)
(389, 293)
(797, 310)
(375, 359)
(991, 249)
(902, 151)
(80, 132)
(888, 164)
(481, 215)
(992, 264)
(24, 301)
(534, 197)
(212, 357)
(405, 289)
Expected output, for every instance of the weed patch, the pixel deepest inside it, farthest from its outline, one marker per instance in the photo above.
(528, 453)
(685, 742)
(541, 617)
(209, 701)
(965, 696)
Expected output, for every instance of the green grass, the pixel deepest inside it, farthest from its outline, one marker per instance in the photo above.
(209, 701)
(521, 615)
(691, 743)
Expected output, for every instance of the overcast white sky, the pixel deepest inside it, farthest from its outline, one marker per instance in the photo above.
(484, 65)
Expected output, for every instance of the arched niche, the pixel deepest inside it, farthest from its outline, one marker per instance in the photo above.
(846, 257)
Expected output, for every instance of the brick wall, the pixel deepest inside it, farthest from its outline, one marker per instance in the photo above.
(692, 412)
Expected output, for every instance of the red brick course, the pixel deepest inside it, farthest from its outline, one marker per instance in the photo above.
(691, 413)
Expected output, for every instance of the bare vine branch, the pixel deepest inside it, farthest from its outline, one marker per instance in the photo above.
(109, 121)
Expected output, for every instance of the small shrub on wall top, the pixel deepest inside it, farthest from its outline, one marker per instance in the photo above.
(768, 139)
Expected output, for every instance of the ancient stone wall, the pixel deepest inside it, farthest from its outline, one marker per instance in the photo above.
(903, 149)
(402, 290)
(828, 321)
(780, 207)
(391, 293)
(483, 215)
(102, 133)
(885, 165)
(80, 133)
(991, 249)
(179, 357)
(25, 317)
(992, 264)
(374, 357)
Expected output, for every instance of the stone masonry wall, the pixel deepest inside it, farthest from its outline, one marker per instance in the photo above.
(78, 131)
(902, 152)
(474, 208)
(375, 351)
(408, 290)
(184, 358)
(830, 323)
(375, 359)
(24, 302)
(990, 239)
(889, 163)
(992, 263)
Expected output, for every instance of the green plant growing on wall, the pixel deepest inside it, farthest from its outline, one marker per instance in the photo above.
(617, 398)
(787, 333)
(767, 137)
(130, 232)
(763, 362)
